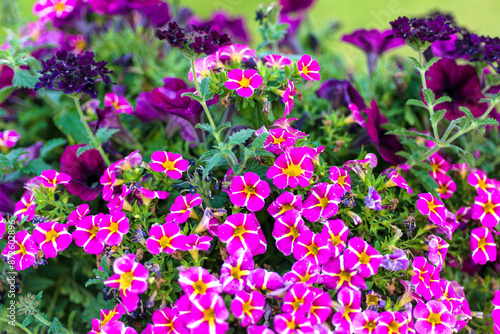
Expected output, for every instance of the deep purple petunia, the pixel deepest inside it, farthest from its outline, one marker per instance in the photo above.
(340, 93)
(223, 23)
(295, 5)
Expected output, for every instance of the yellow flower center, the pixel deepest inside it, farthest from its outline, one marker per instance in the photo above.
(345, 275)
(370, 324)
(286, 207)
(209, 315)
(347, 310)
(335, 240)
(94, 230)
(372, 299)
(247, 307)
(481, 243)
(298, 303)
(238, 231)
(434, 318)
(126, 280)
(341, 180)
(443, 189)
(394, 327)
(432, 206)
(481, 184)
(59, 7)
(278, 140)
(323, 201)
(305, 70)
(364, 258)
(164, 241)
(200, 287)
(250, 190)
(22, 249)
(245, 82)
(305, 278)
(488, 207)
(313, 249)
(169, 165)
(51, 235)
(291, 324)
(292, 170)
(113, 227)
(236, 272)
(294, 232)
(435, 167)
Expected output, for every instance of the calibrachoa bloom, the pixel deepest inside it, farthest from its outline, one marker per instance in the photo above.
(208, 314)
(249, 191)
(392, 323)
(248, 307)
(439, 165)
(243, 81)
(130, 277)
(202, 67)
(480, 181)
(486, 208)
(374, 301)
(78, 214)
(8, 139)
(171, 164)
(373, 200)
(22, 251)
(276, 61)
(284, 203)
(341, 180)
(463, 216)
(433, 317)
(165, 238)
(287, 229)
(52, 238)
(426, 279)
(303, 271)
(350, 305)
(235, 271)
(430, 206)
(287, 323)
(167, 321)
(482, 246)
(197, 281)
(239, 231)
(297, 301)
(437, 250)
(362, 256)
(309, 68)
(335, 231)
(107, 317)
(495, 314)
(120, 103)
(337, 274)
(236, 53)
(85, 234)
(321, 306)
(292, 169)
(312, 247)
(288, 97)
(321, 203)
(397, 180)
(112, 228)
(365, 322)
(182, 208)
(263, 280)
(50, 9)
(25, 207)
(397, 261)
(279, 140)
(446, 186)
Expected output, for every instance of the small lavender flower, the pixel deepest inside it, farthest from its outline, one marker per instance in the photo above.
(374, 301)
(373, 200)
(396, 261)
(139, 236)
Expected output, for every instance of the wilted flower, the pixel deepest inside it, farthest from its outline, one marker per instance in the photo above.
(397, 180)
(437, 251)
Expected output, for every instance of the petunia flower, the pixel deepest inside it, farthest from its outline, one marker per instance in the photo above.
(337, 274)
(397, 180)
(313, 247)
(303, 271)
(261, 329)
(287, 323)
(426, 279)
(336, 232)
(366, 322)
(463, 216)
(25, 207)
(277, 61)
(279, 141)
(349, 302)
(171, 164)
(439, 166)
(235, 270)
(286, 123)
(249, 191)
(428, 205)
(208, 314)
(363, 256)
(321, 306)
(292, 169)
(248, 307)
(8, 139)
(147, 195)
(130, 278)
(222, 22)
(392, 323)
(482, 246)
(196, 242)
(51, 9)
(119, 103)
(321, 203)
(85, 234)
(495, 314)
(107, 317)
(285, 202)
(288, 98)
(243, 81)
(239, 231)
(52, 238)
(297, 301)
(437, 250)
(433, 317)
(397, 261)
(236, 53)
(182, 208)
(340, 93)
(286, 231)
(165, 238)
(263, 280)
(486, 209)
(21, 251)
(197, 282)
(112, 228)
(341, 180)
(167, 321)
(78, 214)
(373, 200)
(309, 68)
(479, 180)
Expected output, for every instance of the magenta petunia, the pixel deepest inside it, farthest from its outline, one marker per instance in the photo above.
(321, 203)
(108, 181)
(337, 275)
(363, 256)
(208, 315)
(25, 207)
(285, 202)
(78, 214)
(112, 228)
(303, 271)
(297, 301)
(263, 280)
(243, 81)
(479, 180)
(235, 53)
(51, 178)
(433, 317)
(321, 306)
(486, 209)
(197, 281)
(426, 279)
(52, 238)
(235, 270)
(8, 139)
(482, 246)
(366, 322)
(107, 317)
(182, 208)
(119, 103)
(463, 216)
(341, 180)
(392, 323)
(51, 9)
(286, 231)
(196, 242)
(165, 238)
(437, 250)
(349, 302)
(285, 123)
(313, 247)
(292, 169)
(287, 323)
(276, 61)
(239, 231)
(495, 314)
(336, 232)
(202, 67)
(249, 191)
(22, 251)
(167, 321)
(309, 68)
(430, 206)
(439, 166)
(147, 196)
(248, 307)
(85, 234)
(171, 164)
(288, 98)
(119, 202)
(279, 141)
(446, 186)
(397, 180)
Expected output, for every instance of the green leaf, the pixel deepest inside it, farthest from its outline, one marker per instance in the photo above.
(39, 296)
(258, 142)
(83, 149)
(429, 96)
(193, 96)
(55, 327)
(36, 166)
(415, 63)
(427, 181)
(205, 87)
(486, 122)
(418, 103)
(5, 92)
(442, 99)
(438, 116)
(105, 267)
(27, 321)
(221, 127)
(212, 163)
(405, 132)
(93, 281)
(24, 79)
(264, 153)
(241, 136)
(467, 156)
(466, 111)
(431, 62)
(205, 126)
(208, 154)
(104, 134)
(50, 145)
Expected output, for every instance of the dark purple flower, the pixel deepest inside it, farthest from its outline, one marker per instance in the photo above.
(141, 4)
(6, 76)
(373, 42)
(157, 14)
(460, 83)
(429, 29)
(396, 261)
(295, 5)
(290, 40)
(340, 93)
(221, 22)
(387, 145)
(108, 118)
(85, 172)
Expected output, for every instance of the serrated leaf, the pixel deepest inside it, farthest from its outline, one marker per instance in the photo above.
(208, 154)
(27, 321)
(241, 136)
(418, 103)
(205, 87)
(264, 153)
(205, 126)
(39, 296)
(438, 116)
(427, 181)
(212, 163)
(405, 132)
(24, 79)
(93, 281)
(104, 134)
(193, 96)
(35, 166)
(105, 267)
(429, 96)
(258, 142)
(466, 111)
(55, 327)
(431, 62)
(83, 149)
(415, 62)
(221, 127)
(467, 156)
(442, 99)
(50, 145)
(5, 92)
(486, 122)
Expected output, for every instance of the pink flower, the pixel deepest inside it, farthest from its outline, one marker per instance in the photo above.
(463, 216)
(361, 255)
(287, 323)
(297, 300)
(249, 191)
(397, 180)
(196, 242)
(239, 231)
(288, 98)
(341, 180)
(392, 323)
(439, 165)
(287, 230)
(337, 275)
(248, 307)
(52, 238)
(130, 277)
(107, 317)
(165, 238)
(22, 251)
(482, 245)
(119, 201)
(50, 9)
(148, 195)
(349, 306)
(428, 205)
(321, 203)
(235, 271)
(182, 208)
(291, 169)
(479, 180)
(321, 306)
(197, 281)
(109, 181)
(78, 214)
(285, 123)
(336, 232)
(263, 280)
(433, 317)
(120, 103)
(243, 81)
(495, 314)
(303, 271)
(366, 322)
(276, 61)
(446, 186)
(208, 315)
(25, 207)
(437, 251)
(309, 68)
(313, 247)
(426, 279)
(202, 67)
(284, 203)
(171, 164)
(262, 329)
(85, 234)
(167, 321)
(356, 115)
(236, 53)
(8, 139)
(112, 228)
(486, 208)
(279, 141)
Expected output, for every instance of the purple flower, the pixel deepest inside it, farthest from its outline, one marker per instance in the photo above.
(340, 93)
(295, 5)
(223, 23)
(85, 171)
(396, 261)
(373, 200)
(373, 42)
(157, 13)
(429, 29)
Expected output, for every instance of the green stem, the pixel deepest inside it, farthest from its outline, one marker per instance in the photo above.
(430, 107)
(48, 323)
(490, 108)
(17, 324)
(89, 132)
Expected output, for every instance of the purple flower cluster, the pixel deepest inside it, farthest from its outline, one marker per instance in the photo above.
(429, 29)
(73, 73)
